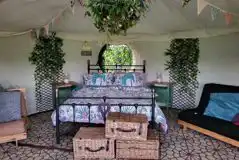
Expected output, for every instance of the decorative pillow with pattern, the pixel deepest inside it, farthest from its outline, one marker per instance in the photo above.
(235, 119)
(98, 79)
(10, 106)
(141, 78)
(129, 79)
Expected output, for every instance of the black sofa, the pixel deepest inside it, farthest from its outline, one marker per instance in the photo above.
(217, 128)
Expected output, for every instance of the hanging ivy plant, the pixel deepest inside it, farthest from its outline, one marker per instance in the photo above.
(48, 57)
(115, 17)
(183, 63)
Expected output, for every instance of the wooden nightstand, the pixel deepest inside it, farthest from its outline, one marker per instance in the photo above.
(163, 92)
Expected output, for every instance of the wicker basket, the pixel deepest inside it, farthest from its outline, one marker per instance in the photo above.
(91, 143)
(126, 126)
(126, 149)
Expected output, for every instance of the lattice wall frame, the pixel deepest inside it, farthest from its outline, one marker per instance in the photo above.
(181, 99)
(43, 92)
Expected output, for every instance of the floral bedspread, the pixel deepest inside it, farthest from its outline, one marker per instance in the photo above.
(82, 111)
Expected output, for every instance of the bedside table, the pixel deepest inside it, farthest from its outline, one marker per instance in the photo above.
(62, 90)
(163, 93)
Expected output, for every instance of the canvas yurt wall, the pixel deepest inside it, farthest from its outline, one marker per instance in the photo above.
(218, 61)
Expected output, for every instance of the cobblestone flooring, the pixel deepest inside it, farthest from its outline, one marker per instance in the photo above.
(176, 145)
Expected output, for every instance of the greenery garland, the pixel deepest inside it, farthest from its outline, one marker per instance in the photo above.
(115, 17)
(183, 63)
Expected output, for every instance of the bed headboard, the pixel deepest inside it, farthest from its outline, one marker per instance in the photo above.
(123, 68)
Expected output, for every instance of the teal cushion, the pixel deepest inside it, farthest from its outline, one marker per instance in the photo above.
(98, 79)
(223, 106)
(98, 76)
(128, 77)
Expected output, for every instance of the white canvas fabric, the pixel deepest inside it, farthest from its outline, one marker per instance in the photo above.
(166, 19)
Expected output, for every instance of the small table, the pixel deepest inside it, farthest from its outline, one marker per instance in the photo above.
(62, 90)
(65, 85)
(163, 92)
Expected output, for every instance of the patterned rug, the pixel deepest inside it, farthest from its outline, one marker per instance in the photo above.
(176, 145)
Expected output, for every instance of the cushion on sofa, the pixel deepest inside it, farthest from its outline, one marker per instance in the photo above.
(219, 126)
(11, 128)
(223, 106)
(214, 88)
(235, 120)
(10, 106)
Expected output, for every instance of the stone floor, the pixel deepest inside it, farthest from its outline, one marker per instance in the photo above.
(175, 145)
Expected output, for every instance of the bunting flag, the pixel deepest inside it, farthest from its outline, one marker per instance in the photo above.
(201, 4)
(57, 20)
(73, 10)
(52, 22)
(33, 34)
(46, 28)
(73, 7)
(214, 13)
(81, 2)
(228, 18)
(37, 33)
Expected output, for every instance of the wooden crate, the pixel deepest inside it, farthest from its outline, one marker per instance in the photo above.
(128, 149)
(126, 126)
(91, 143)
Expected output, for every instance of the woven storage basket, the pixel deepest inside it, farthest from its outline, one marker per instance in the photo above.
(128, 149)
(126, 126)
(91, 143)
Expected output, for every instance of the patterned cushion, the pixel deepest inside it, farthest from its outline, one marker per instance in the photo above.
(235, 119)
(130, 79)
(98, 79)
(141, 78)
(10, 106)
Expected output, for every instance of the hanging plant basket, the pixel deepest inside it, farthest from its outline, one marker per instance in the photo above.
(115, 16)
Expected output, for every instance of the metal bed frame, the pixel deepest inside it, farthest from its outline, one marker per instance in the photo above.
(91, 67)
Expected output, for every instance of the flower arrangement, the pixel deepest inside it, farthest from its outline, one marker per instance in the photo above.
(115, 16)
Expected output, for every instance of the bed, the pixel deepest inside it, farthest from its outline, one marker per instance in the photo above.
(101, 93)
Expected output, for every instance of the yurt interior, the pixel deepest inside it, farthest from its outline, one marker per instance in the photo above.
(119, 79)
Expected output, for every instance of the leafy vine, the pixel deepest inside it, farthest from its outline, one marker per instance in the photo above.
(48, 58)
(183, 63)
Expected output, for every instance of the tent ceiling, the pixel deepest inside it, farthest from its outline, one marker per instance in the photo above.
(166, 18)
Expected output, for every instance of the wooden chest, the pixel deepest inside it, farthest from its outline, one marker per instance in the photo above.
(126, 126)
(91, 143)
(128, 149)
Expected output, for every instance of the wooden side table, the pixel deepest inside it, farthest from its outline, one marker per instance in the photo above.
(163, 91)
